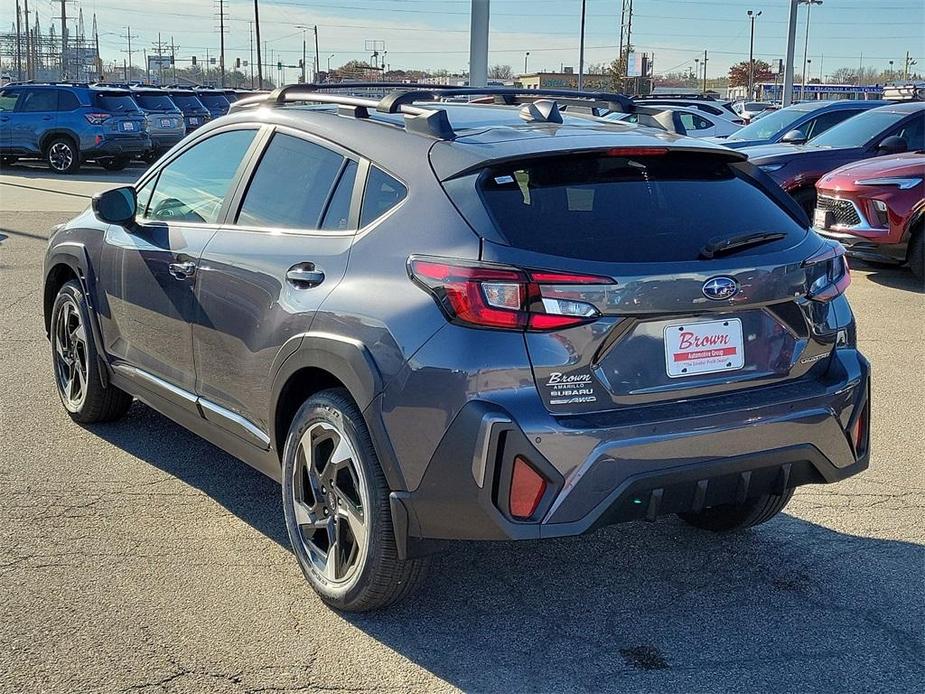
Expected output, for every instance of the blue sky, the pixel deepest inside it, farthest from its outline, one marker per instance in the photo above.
(434, 33)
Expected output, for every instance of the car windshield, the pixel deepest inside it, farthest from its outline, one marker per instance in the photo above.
(859, 130)
(628, 208)
(158, 102)
(118, 103)
(765, 127)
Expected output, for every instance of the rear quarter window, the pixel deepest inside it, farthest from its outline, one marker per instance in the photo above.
(628, 209)
(383, 192)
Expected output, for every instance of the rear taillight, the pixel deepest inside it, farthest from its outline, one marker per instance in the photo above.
(496, 296)
(97, 118)
(527, 489)
(828, 274)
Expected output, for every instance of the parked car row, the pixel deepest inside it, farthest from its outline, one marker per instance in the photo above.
(69, 124)
(855, 167)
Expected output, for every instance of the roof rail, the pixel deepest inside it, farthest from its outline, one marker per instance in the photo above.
(692, 97)
(429, 119)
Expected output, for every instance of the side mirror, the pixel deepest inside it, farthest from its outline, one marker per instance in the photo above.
(794, 137)
(116, 206)
(892, 145)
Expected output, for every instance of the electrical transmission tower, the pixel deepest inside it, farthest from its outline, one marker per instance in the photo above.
(221, 18)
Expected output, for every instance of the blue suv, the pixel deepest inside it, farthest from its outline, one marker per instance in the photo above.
(68, 124)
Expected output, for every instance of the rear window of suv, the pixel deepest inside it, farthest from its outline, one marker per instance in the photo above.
(629, 208)
(155, 102)
(117, 103)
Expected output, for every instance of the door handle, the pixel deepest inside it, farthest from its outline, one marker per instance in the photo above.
(47, 117)
(304, 276)
(182, 271)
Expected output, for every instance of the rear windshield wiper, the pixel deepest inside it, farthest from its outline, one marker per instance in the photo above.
(715, 247)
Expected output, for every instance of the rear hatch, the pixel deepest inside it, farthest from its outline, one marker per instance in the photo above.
(691, 273)
(160, 112)
(194, 111)
(126, 119)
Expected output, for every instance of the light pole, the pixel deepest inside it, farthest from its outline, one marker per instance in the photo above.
(259, 61)
(809, 6)
(890, 78)
(809, 69)
(751, 55)
(526, 55)
(329, 65)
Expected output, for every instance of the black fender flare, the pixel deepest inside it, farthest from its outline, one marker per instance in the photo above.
(75, 256)
(915, 220)
(351, 363)
(52, 133)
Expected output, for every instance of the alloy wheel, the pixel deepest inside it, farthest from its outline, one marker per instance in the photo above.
(70, 353)
(331, 503)
(60, 156)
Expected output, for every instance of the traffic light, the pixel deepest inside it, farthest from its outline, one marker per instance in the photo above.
(237, 62)
(194, 60)
(279, 65)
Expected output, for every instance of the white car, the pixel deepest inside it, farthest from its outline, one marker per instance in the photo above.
(696, 123)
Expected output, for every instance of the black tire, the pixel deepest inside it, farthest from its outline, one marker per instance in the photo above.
(729, 517)
(806, 198)
(97, 403)
(114, 163)
(916, 254)
(62, 156)
(378, 578)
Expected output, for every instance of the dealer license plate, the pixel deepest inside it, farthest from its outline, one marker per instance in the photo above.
(194, 120)
(819, 218)
(704, 347)
(128, 125)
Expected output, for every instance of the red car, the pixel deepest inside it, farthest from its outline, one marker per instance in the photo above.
(876, 209)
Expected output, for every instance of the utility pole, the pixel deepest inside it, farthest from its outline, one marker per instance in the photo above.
(318, 57)
(173, 59)
(581, 50)
(751, 55)
(622, 27)
(705, 59)
(96, 42)
(257, 27)
(909, 63)
(629, 38)
(160, 46)
(478, 43)
(19, 45)
(304, 57)
(29, 67)
(787, 96)
(809, 6)
(63, 39)
(221, 40)
(127, 69)
(250, 33)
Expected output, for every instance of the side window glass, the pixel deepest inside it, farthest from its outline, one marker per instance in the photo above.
(291, 185)
(914, 134)
(825, 121)
(192, 187)
(67, 101)
(143, 195)
(8, 100)
(337, 216)
(38, 100)
(691, 121)
(382, 194)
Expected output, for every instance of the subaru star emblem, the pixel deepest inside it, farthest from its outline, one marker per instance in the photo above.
(719, 288)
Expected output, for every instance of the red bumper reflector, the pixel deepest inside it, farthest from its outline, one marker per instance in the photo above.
(860, 431)
(527, 489)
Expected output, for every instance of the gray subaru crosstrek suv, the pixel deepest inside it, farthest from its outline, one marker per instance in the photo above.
(453, 321)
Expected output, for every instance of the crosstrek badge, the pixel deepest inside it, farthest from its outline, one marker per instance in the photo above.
(705, 347)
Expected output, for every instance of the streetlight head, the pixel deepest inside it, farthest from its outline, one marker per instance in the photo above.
(759, 13)
(749, 13)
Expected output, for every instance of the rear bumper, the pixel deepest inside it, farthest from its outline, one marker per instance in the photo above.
(164, 141)
(633, 469)
(863, 248)
(117, 147)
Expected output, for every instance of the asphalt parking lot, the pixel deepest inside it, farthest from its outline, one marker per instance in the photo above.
(136, 557)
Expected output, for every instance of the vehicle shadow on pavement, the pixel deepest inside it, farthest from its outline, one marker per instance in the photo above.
(895, 278)
(790, 606)
(87, 174)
